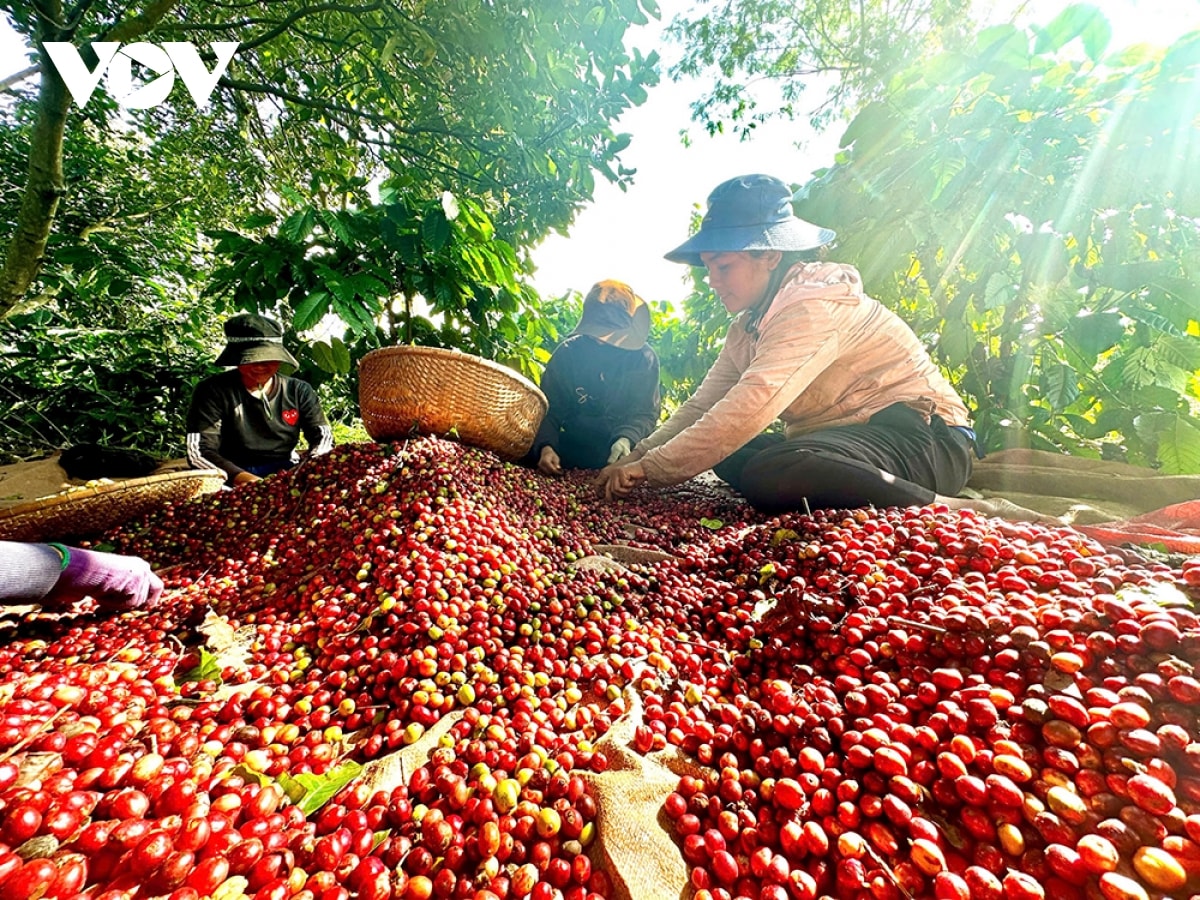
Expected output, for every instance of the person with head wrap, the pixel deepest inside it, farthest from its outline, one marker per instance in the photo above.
(601, 384)
(868, 418)
(248, 421)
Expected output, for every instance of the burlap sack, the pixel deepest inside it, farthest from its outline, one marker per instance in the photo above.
(634, 845)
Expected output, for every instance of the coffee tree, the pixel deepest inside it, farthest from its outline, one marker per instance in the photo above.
(407, 270)
(1031, 211)
(510, 102)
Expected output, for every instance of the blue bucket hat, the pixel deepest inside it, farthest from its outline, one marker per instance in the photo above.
(750, 212)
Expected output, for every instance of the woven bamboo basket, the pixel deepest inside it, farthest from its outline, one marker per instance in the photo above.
(427, 390)
(86, 511)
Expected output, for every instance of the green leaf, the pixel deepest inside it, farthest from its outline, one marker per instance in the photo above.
(1132, 276)
(298, 226)
(1000, 45)
(998, 292)
(341, 355)
(354, 314)
(310, 310)
(1094, 334)
(1077, 20)
(956, 341)
(339, 228)
(1179, 350)
(310, 792)
(258, 220)
(1178, 444)
(208, 669)
(322, 356)
(712, 524)
(435, 229)
(873, 124)
(1059, 386)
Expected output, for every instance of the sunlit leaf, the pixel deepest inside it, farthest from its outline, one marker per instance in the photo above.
(310, 310)
(207, 669)
(1059, 386)
(783, 534)
(1096, 333)
(310, 792)
(1178, 444)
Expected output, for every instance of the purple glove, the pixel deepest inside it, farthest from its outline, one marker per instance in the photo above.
(114, 582)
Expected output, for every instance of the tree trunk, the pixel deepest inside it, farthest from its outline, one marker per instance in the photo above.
(45, 185)
(43, 189)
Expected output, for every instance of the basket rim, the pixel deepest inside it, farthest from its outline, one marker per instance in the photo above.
(87, 493)
(450, 353)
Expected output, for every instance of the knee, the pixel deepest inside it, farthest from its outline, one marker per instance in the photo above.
(773, 481)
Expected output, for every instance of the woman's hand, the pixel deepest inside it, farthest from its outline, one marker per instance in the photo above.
(548, 462)
(618, 481)
(245, 478)
(115, 582)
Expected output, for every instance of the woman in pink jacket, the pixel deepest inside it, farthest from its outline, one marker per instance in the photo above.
(868, 417)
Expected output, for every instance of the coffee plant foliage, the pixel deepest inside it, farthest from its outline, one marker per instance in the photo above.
(410, 269)
(65, 382)
(1030, 207)
(512, 101)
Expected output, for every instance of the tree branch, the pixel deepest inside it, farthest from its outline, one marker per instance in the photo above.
(282, 26)
(74, 18)
(142, 24)
(101, 224)
(18, 77)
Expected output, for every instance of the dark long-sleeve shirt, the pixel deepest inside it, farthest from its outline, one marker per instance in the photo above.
(229, 428)
(597, 393)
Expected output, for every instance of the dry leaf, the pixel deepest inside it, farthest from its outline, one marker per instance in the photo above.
(230, 646)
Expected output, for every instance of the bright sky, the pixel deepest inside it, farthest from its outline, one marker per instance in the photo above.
(623, 235)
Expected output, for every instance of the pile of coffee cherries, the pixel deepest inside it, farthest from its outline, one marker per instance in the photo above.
(894, 703)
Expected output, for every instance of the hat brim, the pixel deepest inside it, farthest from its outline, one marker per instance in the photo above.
(790, 235)
(251, 353)
(631, 337)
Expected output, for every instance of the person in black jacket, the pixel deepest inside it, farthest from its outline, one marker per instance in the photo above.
(248, 421)
(601, 384)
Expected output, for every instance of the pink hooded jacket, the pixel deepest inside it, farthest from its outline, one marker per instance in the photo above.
(824, 354)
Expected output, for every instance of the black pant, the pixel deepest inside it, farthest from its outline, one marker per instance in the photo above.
(895, 459)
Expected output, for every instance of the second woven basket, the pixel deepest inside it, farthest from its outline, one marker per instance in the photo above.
(409, 390)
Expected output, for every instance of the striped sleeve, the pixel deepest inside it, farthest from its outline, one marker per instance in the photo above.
(325, 443)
